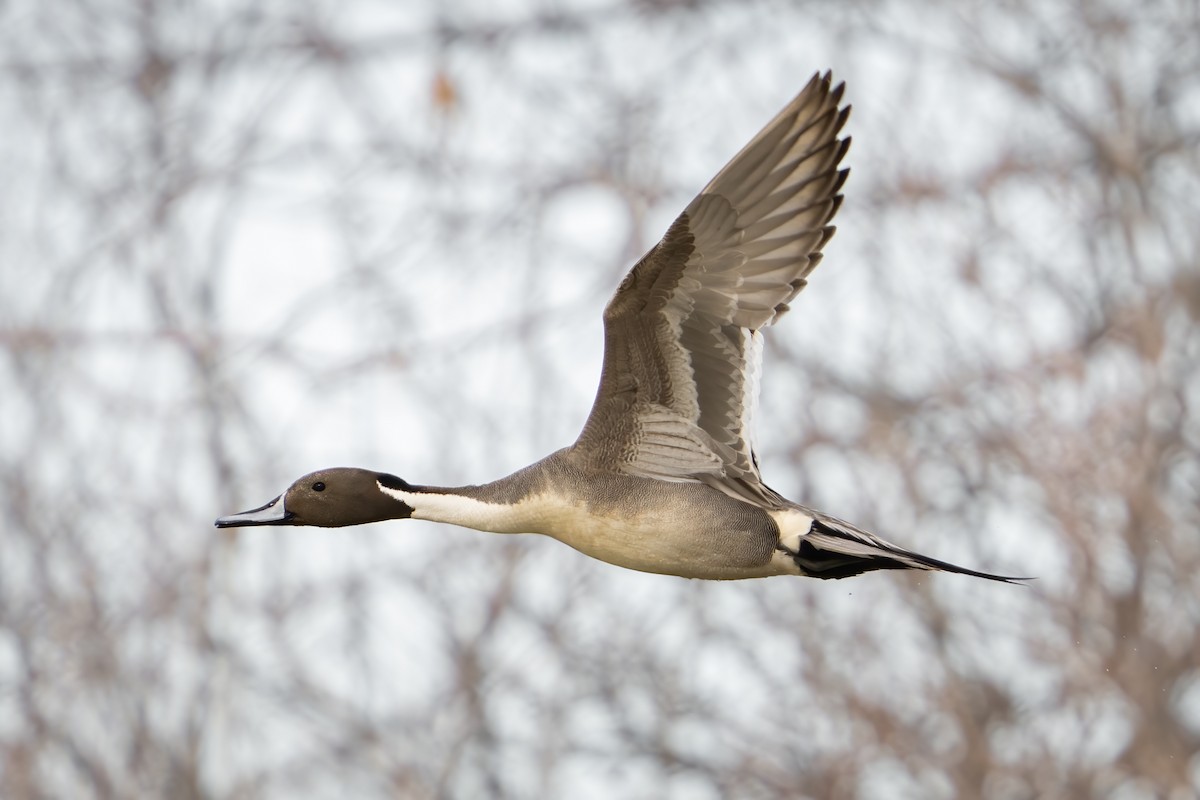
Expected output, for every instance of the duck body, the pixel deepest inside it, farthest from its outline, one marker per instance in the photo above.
(664, 477)
(680, 528)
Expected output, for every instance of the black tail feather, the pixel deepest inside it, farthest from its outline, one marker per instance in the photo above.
(833, 551)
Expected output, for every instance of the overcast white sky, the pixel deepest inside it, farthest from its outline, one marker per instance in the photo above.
(383, 281)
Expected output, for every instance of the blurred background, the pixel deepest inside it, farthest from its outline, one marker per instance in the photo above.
(241, 240)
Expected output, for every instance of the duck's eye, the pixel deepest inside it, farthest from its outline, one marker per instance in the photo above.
(319, 486)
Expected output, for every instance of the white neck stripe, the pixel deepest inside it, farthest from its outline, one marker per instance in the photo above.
(468, 512)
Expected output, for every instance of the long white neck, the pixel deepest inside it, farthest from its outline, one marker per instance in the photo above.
(448, 505)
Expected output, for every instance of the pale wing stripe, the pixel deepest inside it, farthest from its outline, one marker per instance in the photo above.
(751, 385)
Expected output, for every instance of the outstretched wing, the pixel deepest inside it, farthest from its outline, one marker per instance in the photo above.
(682, 334)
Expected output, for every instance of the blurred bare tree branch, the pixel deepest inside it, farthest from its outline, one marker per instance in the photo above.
(240, 240)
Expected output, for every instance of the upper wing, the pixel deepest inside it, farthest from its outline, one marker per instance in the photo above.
(682, 334)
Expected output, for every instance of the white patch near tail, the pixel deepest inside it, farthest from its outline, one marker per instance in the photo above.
(793, 525)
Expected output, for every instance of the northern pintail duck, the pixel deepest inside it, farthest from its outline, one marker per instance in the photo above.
(664, 476)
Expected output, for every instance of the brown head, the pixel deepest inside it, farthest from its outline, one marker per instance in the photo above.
(329, 498)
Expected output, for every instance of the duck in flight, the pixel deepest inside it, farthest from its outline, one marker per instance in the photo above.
(663, 477)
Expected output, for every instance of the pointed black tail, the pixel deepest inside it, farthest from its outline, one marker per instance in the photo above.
(833, 549)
